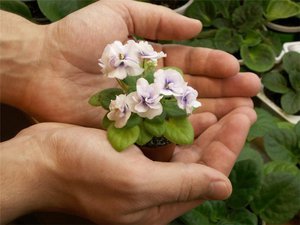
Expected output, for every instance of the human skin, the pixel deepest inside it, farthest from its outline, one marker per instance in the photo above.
(64, 57)
(66, 168)
(51, 71)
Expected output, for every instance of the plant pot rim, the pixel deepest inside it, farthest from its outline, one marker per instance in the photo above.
(181, 9)
(282, 28)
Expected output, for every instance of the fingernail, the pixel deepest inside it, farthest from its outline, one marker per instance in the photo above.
(218, 190)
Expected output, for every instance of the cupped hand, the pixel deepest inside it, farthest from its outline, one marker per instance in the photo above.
(75, 170)
(69, 73)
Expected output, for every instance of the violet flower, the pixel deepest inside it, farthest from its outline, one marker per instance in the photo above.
(119, 111)
(170, 82)
(118, 61)
(188, 100)
(146, 51)
(146, 100)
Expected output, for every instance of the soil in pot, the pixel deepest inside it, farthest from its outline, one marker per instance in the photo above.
(158, 149)
(172, 4)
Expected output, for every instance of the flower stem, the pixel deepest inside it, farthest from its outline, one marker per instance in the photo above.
(122, 85)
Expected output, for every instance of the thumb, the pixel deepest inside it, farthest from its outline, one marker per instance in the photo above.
(157, 22)
(181, 182)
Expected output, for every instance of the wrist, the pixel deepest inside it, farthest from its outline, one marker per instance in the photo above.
(30, 179)
(21, 45)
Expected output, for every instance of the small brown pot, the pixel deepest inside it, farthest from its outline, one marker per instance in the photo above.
(162, 153)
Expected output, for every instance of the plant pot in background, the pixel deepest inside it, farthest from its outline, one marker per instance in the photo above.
(278, 82)
(288, 25)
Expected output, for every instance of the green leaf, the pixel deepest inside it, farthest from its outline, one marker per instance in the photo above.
(194, 217)
(133, 120)
(17, 7)
(280, 166)
(103, 98)
(172, 110)
(281, 9)
(276, 82)
(278, 201)
(251, 38)
(154, 128)
(249, 153)
(144, 136)
(259, 58)
(247, 16)
(228, 40)
(265, 122)
(215, 210)
(57, 9)
(292, 66)
(240, 217)
(122, 138)
(202, 10)
(106, 122)
(290, 102)
(179, 131)
(246, 179)
(279, 143)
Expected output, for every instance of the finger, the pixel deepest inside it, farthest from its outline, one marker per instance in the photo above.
(201, 121)
(221, 143)
(156, 22)
(222, 106)
(241, 85)
(220, 146)
(209, 62)
(181, 182)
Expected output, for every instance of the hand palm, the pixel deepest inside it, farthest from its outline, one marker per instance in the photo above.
(75, 43)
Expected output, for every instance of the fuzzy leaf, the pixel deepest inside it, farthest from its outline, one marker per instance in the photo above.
(106, 122)
(17, 7)
(278, 200)
(279, 144)
(259, 58)
(204, 11)
(179, 131)
(133, 120)
(247, 16)
(103, 98)
(281, 9)
(57, 9)
(292, 66)
(276, 82)
(228, 40)
(172, 110)
(280, 166)
(156, 129)
(240, 217)
(144, 136)
(290, 102)
(122, 138)
(246, 179)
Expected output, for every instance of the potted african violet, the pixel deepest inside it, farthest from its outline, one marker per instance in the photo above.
(150, 106)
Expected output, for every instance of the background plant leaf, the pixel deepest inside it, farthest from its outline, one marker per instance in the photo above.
(281, 9)
(276, 82)
(278, 144)
(246, 178)
(16, 7)
(259, 58)
(228, 40)
(278, 200)
(57, 9)
(290, 102)
(292, 66)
